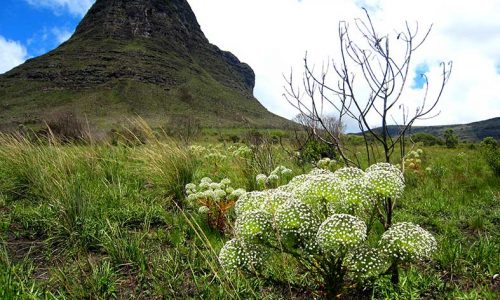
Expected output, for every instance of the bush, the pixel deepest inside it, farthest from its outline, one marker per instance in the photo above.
(314, 151)
(67, 127)
(427, 139)
(450, 138)
(491, 153)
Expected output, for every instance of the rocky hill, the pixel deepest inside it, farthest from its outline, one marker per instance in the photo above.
(472, 132)
(135, 57)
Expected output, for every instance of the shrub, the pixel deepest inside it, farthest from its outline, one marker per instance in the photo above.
(491, 153)
(427, 139)
(67, 127)
(315, 150)
(184, 127)
(450, 138)
(324, 221)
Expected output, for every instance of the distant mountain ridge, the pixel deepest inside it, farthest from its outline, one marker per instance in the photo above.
(135, 57)
(475, 131)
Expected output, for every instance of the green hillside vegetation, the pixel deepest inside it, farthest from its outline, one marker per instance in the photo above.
(472, 132)
(101, 221)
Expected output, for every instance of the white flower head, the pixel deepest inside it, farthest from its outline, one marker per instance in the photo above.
(385, 184)
(203, 210)
(249, 201)
(296, 222)
(349, 173)
(237, 254)
(341, 232)
(406, 241)
(254, 226)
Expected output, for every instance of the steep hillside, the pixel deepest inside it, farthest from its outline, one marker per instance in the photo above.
(135, 57)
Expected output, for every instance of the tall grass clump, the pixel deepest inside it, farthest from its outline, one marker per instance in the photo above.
(169, 166)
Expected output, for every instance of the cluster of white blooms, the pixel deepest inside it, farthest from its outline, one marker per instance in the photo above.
(237, 254)
(386, 167)
(326, 163)
(341, 232)
(321, 214)
(249, 201)
(296, 223)
(275, 198)
(279, 175)
(413, 160)
(385, 183)
(241, 151)
(197, 150)
(365, 262)
(349, 173)
(318, 190)
(203, 210)
(207, 190)
(355, 194)
(254, 226)
(211, 153)
(407, 241)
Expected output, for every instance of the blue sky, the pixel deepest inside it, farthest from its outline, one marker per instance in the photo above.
(39, 28)
(272, 37)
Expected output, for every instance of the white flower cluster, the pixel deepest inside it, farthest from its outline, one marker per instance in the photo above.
(212, 153)
(385, 183)
(296, 223)
(249, 201)
(341, 232)
(254, 226)
(197, 150)
(326, 163)
(349, 173)
(319, 190)
(356, 195)
(277, 176)
(241, 151)
(413, 160)
(386, 167)
(321, 213)
(365, 262)
(212, 191)
(406, 241)
(237, 254)
(275, 198)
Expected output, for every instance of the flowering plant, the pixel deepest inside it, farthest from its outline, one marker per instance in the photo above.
(213, 199)
(413, 160)
(279, 176)
(323, 220)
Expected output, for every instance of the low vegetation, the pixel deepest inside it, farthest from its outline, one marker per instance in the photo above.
(143, 221)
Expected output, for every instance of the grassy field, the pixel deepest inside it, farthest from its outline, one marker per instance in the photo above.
(105, 222)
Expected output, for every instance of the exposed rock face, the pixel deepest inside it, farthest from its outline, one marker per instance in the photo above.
(156, 42)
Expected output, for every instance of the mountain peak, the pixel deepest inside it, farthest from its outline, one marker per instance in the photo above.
(161, 19)
(135, 57)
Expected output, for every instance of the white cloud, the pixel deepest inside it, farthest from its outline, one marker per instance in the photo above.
(61, 34)
(272, 36)
(75, 7)
(12, 53)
